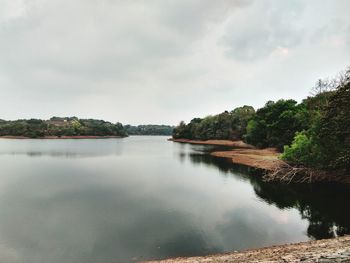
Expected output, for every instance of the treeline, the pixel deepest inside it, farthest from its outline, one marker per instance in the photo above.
(314, 133)
(150, 129)
(224, 126)
(56, 126)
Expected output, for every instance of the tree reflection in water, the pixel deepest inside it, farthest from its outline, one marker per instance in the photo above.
(323, 205)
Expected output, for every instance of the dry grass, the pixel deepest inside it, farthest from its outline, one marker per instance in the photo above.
(266, 159)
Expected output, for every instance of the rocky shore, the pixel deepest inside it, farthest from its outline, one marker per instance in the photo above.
(335, 250)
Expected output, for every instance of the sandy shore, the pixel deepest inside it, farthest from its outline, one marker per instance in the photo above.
(326, 250)
(61, 137)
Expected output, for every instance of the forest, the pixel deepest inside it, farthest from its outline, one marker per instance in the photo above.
(150, 129)
(314, 133)
(56, 126)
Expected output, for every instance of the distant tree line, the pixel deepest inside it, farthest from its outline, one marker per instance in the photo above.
(56, 126)
(150, 129)
(225, 126)
(314, 133)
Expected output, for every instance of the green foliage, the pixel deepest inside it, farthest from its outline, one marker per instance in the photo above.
(256, 133)
(149, 130)
(240, 118)
(275, 124)
(334, 129)
(56, 126)
(224, 126)
(304, 151)
(326, 144)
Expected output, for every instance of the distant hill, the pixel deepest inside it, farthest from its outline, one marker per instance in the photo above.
(150, 129)
(57, 126)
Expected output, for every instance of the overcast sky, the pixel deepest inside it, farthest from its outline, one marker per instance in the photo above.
(160, 61)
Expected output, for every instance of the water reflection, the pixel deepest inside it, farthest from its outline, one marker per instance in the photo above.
(79, 220)
(101, 201)
(68, 148)
(324, 206)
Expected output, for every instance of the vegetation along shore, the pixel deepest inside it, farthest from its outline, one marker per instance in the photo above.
(75, 128)
(65, 128)
(294, 142)
(149, 129)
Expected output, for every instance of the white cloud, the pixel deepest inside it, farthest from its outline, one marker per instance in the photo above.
(163, 61)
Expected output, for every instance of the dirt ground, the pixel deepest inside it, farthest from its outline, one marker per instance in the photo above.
(243, 153)
(266, 159)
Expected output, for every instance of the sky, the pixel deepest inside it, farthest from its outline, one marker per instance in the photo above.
(163, 61)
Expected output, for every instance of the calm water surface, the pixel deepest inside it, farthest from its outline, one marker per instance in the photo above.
(120, 200)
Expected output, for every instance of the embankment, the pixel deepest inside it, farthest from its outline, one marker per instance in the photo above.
(326, 250)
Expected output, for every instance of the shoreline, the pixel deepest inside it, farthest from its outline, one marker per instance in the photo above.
(326, 250)
(60, 137)
(266, 160)
(243, 154)
(236, 144)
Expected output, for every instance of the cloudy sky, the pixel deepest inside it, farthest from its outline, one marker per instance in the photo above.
(162, 61)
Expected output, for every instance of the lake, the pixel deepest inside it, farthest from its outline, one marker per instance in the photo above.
(143, 197)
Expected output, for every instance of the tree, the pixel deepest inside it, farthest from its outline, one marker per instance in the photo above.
(326, 144)
(240, 119)
(276, 123)
(57, 126)
(223, 126)
(335, 129)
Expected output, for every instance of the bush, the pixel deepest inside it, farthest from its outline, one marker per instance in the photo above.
(304, 150)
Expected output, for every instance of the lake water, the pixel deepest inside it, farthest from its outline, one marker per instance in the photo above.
(137, 198)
